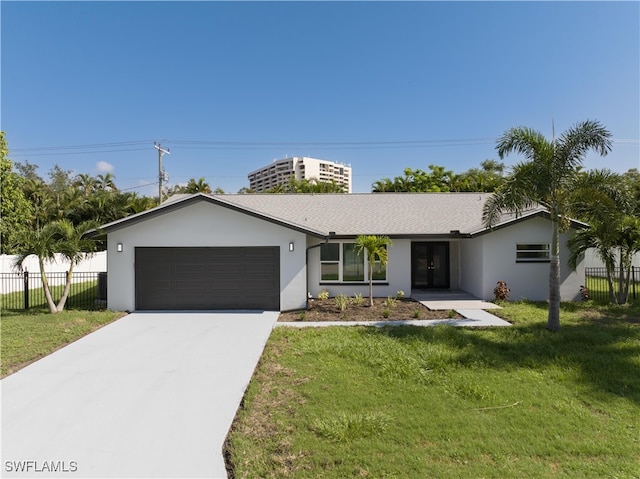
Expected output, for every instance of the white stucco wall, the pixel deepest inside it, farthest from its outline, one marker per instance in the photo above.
(398, 271)
(526, 280)
(472, 266)
(204, 224)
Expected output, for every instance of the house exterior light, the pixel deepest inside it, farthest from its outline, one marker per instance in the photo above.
(119, 247)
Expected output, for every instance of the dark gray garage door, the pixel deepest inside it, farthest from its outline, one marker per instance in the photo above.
(207, 278)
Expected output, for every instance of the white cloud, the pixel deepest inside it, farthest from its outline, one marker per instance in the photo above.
(104, 167)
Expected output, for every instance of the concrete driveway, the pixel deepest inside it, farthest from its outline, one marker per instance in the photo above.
(151, 395)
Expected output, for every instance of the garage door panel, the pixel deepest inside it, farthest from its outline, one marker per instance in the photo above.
(207, 278)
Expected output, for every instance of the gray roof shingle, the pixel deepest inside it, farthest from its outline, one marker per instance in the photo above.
(392, 214)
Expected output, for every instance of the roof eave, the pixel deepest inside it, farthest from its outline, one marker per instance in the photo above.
(184, 202)
(538, 213)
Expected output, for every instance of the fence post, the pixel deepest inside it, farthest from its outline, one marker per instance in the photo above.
(26, 289)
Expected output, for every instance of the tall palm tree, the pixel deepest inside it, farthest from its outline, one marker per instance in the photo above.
(382, 186)
(376, 248)
(199, 186)
(106, 182)
(86, 183)
(546, 179)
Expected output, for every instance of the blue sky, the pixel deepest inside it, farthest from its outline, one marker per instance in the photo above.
(231, 86)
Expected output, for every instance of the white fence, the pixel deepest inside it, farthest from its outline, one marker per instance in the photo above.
(592, 260)
(92, 264)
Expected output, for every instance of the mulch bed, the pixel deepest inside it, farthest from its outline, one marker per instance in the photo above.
(401, 309)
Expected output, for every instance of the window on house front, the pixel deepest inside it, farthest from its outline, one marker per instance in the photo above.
(330, 262)
(340, 262)
(532, 252)
(352, 263)
(379, 271)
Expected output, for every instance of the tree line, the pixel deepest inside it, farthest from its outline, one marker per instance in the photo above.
(43, 217)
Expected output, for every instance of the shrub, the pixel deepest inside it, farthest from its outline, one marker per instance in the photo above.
(358, 299)
(584, 293)
(452, 313)
(416, 313)
(389, 302)
(386, 313)
(400, 294)
(342, 302)
(501, 291)
(324, 294)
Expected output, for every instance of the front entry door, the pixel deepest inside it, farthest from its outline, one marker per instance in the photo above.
(430, 265)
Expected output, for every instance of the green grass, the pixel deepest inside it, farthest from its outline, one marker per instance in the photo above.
(599, 288)
(448, 402)
(26, 337)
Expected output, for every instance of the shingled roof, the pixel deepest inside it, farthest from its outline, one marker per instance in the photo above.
(393, 214)
(344, 215)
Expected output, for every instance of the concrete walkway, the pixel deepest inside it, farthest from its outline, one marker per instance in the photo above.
(463, 303)
(151, 395)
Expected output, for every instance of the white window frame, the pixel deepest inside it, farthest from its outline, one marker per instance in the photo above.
(340, 262)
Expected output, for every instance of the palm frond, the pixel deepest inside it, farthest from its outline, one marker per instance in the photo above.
(525, 141)
(591, 238)
(572, 146)
(523, 189)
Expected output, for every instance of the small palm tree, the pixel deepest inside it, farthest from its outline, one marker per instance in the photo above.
(601, 198)
(546, 178)
(376, 248)
(56, 237)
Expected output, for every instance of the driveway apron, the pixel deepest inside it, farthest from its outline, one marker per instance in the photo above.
(151, 395)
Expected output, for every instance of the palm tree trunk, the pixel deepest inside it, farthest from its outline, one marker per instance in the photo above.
(370, 287)
(45, 287)
(612, 289)
(67, 288)
(553, 320)
(625, 276)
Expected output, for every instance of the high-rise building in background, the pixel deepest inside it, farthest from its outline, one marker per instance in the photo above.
(301, 168)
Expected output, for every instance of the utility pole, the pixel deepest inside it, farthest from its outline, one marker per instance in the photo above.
(161, 151)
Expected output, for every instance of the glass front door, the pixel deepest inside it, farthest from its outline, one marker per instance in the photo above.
(430, 265)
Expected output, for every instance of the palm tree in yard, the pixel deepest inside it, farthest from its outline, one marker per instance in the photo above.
(377, 252)
(56, 237)
(604, 200)
(546, 178)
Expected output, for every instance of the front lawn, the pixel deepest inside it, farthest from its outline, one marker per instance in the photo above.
(28, 336)
(408, 402)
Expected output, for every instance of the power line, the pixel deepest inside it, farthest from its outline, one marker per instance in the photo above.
(65, 153)
(112, 147)
(85, 146)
